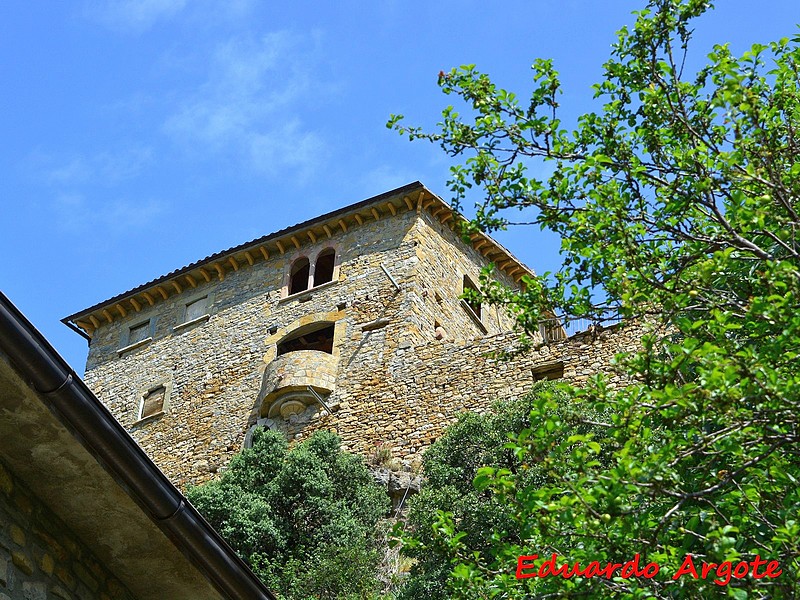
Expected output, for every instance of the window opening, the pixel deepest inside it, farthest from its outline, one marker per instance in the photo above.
(323, 270)
(298, 280)
(196, 309)
(139, 333)
(153, 402)
(319, 338)
(473, 303)
(548, 371)
(551, 330)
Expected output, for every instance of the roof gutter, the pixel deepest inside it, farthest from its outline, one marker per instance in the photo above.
(89, 420)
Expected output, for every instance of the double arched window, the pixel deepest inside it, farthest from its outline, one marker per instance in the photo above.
(304, 275)
(298, 276)
(323, 268)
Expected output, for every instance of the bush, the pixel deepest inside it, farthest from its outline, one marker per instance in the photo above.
(473, 442)
(305, 519)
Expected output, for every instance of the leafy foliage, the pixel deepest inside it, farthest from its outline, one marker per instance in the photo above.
(677, 206)
(473, 443)
(306, 519)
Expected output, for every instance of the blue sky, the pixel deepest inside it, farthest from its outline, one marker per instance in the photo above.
(141, 135)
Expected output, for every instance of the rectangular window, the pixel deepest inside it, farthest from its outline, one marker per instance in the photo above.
(138, 333)
(471, 303)
(153, 402)
(136, 336)
(549, 370)
(196, 309)
(552, 329)
(469, 288)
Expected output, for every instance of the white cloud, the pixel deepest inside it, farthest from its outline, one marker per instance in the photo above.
(248, 103)
(125, 214)
(135, 15)
(140, 15)
(385, 177)
(106, 168)
(81, 186)
(76, 213)
(286, 146)
(76, 170)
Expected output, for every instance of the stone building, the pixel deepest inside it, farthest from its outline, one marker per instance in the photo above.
(353, 321)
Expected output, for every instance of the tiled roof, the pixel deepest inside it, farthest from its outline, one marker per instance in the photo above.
(226, 258)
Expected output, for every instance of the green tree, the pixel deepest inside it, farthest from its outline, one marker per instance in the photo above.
(676, 202)
(306, 519)
(473, 442)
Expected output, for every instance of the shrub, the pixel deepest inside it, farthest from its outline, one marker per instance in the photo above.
(306, 518)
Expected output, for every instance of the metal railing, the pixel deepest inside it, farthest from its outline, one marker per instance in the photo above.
(563, 327)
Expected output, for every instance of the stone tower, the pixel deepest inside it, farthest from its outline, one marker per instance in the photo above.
(352, 321)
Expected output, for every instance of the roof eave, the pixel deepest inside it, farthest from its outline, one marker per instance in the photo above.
(413, 196)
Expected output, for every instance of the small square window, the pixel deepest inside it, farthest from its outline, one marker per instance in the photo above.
(139, 332)
(196, 309)
(153, 402)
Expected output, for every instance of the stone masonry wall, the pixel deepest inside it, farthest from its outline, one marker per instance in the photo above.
(395, 383)
(40, 559)
(424, 388)
(214, 368)
(443, 261)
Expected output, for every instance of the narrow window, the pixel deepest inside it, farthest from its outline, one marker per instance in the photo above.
(298, 280)
(196, 309)
(323, 270)
(318, 336)
(139, 332)
(473, 303)
(153, 402)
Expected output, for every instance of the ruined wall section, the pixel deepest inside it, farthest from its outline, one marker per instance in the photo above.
(425, 388)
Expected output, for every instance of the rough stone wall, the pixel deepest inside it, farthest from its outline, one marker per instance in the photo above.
(40, 559)
(444, 260)
(215, 367)
(395, 384)
(424, 388)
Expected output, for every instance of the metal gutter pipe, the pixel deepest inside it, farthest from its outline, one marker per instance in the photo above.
(89, 420)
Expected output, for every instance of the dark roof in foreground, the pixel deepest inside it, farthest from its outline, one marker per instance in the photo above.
(59, 439)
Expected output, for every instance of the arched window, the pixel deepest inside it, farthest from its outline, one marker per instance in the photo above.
(317, 336)
(323, 269)
(298, 277)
